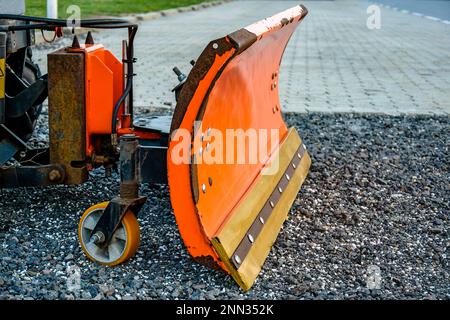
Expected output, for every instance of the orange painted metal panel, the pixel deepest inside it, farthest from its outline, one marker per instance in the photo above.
(103, 87)
(234, 84)
(179, 174)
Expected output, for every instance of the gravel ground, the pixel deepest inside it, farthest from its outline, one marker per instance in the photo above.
(377, 196)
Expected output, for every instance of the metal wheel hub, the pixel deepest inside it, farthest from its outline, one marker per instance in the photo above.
(104, 253)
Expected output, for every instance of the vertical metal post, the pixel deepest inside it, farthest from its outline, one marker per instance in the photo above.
(2, 76)
(129, 167)
(52, 9)
(130, 71)
(125, 73)
(67, 113)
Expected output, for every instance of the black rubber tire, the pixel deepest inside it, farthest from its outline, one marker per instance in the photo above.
(24, 126)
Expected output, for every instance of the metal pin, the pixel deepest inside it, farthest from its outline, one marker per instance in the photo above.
(215, 45)
(299, 155)
(294, 166)
(287, 176)
(202, 137)
(200, 151)
(210, 181)
(238, 260)
(304, 147)
(250, 238)
(207, 147)
(271, 204)
(261, 219)
(204, 188)
(280, 190)
(208, 132)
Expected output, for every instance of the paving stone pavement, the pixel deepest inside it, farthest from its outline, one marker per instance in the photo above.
(333, 63)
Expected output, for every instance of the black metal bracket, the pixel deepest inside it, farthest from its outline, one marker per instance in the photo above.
(10, 145)
(153, 164)
(34, 95)
(129, 199)
(31, 176)
(113, 214)
(138, 164)
(34, 157)
(181, 81)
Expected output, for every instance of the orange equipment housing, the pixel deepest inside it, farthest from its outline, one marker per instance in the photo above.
(104, 86)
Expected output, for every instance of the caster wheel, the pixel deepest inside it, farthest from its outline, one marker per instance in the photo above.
(123, 244)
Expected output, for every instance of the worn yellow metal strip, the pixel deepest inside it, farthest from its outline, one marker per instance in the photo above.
(232, 232)
(232, 235)
(254, 261)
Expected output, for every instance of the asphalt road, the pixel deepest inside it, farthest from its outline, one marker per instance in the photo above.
(439, 9)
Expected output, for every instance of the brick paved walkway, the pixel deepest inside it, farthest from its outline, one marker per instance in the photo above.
(334, 63)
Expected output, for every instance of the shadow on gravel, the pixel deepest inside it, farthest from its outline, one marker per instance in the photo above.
(377, 196)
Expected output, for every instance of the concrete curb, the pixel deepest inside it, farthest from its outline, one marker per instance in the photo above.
(136, 18)
(174, 11)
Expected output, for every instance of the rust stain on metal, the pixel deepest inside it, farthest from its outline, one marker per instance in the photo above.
(129, 190)
(209, 262)
(67, 125)
(242, 39)
(199, 71)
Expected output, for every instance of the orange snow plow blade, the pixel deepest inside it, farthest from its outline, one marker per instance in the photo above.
(234, 168)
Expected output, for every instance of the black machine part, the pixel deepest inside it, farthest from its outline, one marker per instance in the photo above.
(33, 88)
(129, 199)
(39, 23)
(138, 164)
(25, 90)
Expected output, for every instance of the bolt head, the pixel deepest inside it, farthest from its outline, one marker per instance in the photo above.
(54, 175)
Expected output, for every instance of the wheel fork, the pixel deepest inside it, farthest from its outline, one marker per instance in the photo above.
(128, 199)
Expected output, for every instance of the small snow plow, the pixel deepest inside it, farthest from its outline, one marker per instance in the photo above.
(232, 165)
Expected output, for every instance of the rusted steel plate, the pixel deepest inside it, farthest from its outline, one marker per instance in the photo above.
(67, 121)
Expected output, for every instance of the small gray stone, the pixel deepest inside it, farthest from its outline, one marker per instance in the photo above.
(69, 257)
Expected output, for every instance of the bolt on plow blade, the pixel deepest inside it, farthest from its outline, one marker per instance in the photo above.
(234, 168)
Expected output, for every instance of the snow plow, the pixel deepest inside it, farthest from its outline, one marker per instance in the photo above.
(232, 165)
